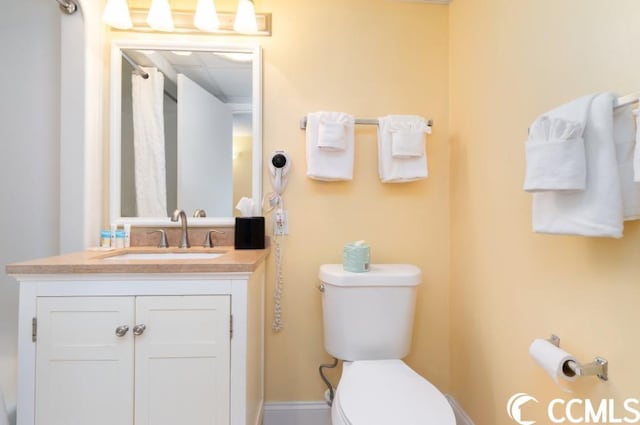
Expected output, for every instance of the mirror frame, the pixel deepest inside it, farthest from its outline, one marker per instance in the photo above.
(115, 112)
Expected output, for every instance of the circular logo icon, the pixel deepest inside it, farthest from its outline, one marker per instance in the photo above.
(514, 407)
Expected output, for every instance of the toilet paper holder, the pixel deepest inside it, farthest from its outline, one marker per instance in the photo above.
(598, 367)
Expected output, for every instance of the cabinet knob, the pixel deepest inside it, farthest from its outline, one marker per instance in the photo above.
(122, 330)
(139, 329)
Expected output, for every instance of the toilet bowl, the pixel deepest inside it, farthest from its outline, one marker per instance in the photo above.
(368, 323)
(383, 392)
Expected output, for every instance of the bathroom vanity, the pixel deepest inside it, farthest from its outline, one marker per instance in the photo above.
(108, 339)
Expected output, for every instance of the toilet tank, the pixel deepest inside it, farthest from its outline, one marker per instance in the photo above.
(369, 316)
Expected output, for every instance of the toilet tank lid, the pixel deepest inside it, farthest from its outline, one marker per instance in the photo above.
(378, 275)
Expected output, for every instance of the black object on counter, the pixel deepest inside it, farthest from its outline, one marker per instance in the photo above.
(249, 233)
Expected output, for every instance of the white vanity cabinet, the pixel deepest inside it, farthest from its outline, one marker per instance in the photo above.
(141, 348)
(144, 360)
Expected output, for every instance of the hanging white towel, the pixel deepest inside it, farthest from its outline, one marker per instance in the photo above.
(624, 137)
(597, 210)
(555, 154)
(4, 416)
(148, 141)
(636, 149)
(401, 148)
(330, 146)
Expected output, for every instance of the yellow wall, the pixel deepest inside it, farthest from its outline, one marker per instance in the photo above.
(499, 63)
(368, 58)
(510, 61)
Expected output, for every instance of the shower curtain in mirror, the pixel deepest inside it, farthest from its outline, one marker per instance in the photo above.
(148, 141)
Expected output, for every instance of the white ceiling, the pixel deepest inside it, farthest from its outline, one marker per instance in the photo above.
(227, 76)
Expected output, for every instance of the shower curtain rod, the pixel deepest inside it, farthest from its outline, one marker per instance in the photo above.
(68, 6)
(137, 69)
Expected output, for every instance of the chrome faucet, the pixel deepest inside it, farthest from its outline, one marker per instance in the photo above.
(184, 238)
(208, 240)
(199, 213)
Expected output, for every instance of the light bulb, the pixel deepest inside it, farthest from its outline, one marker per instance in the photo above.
(159, 17)
(116, 14)
(246, 18)
(206, 17)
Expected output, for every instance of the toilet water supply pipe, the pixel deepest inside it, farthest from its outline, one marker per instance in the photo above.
(326, 380)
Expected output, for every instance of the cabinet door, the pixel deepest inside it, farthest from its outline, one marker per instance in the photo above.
(84, 371)
(183, 360)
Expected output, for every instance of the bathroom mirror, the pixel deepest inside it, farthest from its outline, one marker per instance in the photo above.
(186, 131)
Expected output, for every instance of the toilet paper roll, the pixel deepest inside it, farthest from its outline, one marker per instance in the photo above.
(553, 360)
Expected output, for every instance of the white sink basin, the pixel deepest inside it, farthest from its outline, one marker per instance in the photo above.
(166, 256)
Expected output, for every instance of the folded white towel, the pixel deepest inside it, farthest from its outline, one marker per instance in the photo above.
(555, 154)
(407, 136)
(332, 131)
(597, 210)
(401, 148)
(624, 137)
(407, 144)
(330, 146)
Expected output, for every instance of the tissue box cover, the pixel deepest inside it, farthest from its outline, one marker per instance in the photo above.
(249, 233)
(356, 258)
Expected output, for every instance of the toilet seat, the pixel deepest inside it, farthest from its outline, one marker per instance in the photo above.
(383, 392)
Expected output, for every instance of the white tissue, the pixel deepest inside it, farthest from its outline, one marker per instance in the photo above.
(553, 360)
(245, 206)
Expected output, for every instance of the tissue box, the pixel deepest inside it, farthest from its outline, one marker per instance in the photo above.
(249, 233)
(356, 258)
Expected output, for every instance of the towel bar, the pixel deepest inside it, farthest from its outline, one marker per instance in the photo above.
(362, 121)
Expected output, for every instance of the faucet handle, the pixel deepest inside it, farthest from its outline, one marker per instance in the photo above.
(163, 238)
(199, 213)
(208, 240)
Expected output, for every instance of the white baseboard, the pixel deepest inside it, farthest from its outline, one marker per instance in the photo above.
(297, 413)
(319, 413)
(461, 416)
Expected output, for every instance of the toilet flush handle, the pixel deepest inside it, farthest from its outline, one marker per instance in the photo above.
(321, 287)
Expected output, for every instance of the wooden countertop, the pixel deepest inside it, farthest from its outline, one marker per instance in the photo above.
(98, 261)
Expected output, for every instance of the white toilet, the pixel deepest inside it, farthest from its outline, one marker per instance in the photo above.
(368, 321)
